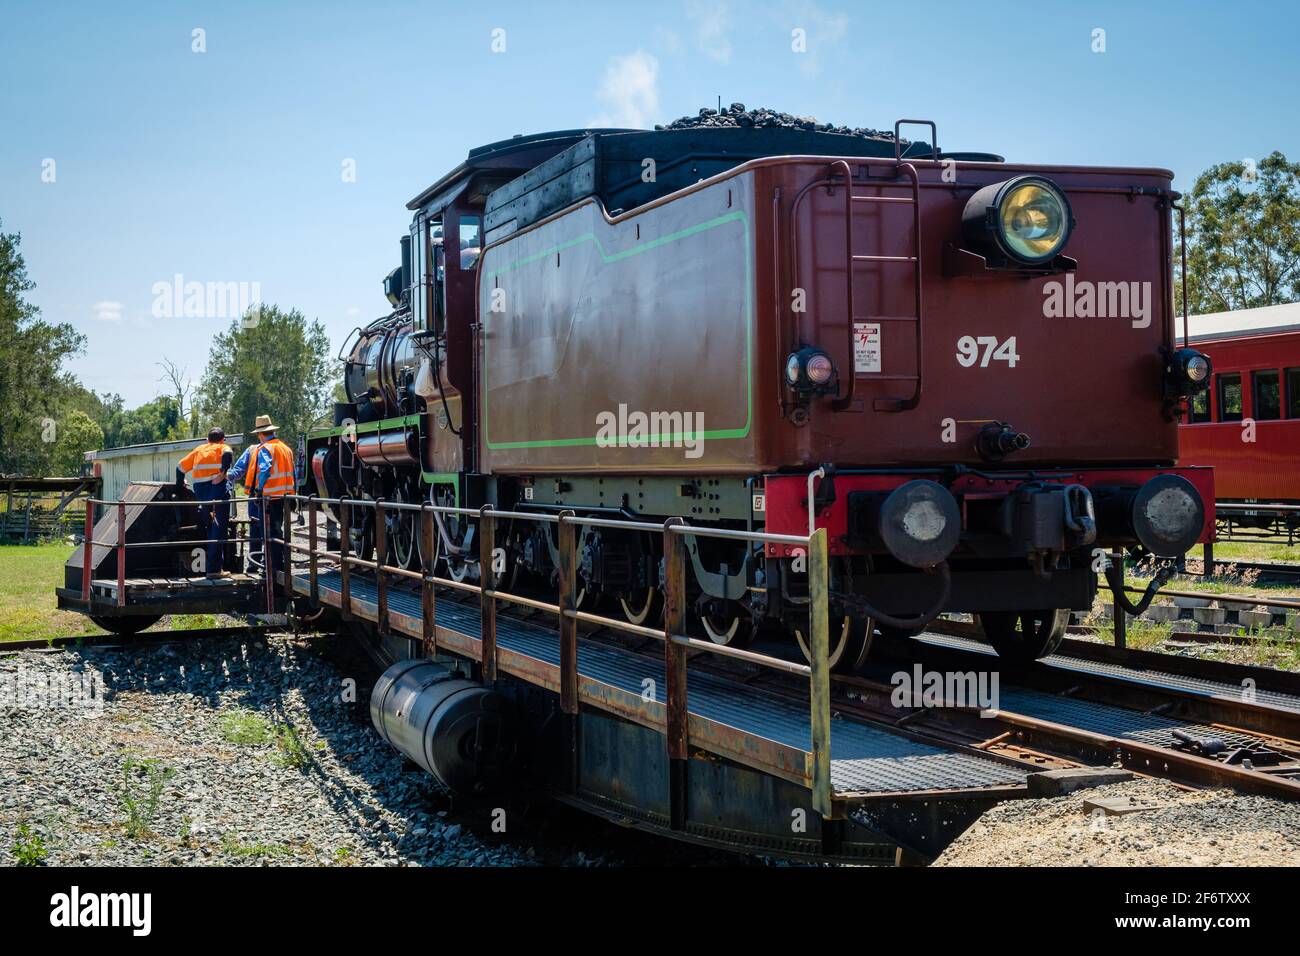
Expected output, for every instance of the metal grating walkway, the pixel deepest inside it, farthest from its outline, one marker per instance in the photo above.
(863, 758)
(1153, 678)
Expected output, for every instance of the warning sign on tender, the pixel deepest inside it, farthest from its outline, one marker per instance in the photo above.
(866, 346)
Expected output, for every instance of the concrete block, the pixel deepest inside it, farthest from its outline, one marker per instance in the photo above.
(1210, 615)
(1056, 783)
(1255, 620)
(1162, 613)
(1118, 806)
(1192, 602)
(1236, 605)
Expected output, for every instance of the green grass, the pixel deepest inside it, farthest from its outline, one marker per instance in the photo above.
(29, 573)
(244, 727)
(1239, 551)
(234, 847)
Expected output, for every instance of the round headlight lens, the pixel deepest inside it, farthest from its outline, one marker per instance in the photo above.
(1033, 220)
(793, 366)
(1197, 368)
(820, 369)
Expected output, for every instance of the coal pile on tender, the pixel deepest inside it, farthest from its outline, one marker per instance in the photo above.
(736, 116)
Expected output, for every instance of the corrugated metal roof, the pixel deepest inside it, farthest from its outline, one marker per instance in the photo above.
(1244, 322)
(179, 445)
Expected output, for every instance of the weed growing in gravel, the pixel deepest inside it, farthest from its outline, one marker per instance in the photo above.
(141, 805)
(343, 856)
(293, 752)
(244, 727)
(29, 847)
(233, 847)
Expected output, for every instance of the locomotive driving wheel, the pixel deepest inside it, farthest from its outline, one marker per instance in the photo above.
(849, 647)
(402, 528)
(1023, 636)
(645, 605)
(361, 533)
(726, 622)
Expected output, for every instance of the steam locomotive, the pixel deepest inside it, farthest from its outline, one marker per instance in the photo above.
(965, 369)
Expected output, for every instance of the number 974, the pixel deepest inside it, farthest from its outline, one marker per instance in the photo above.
(985, 349)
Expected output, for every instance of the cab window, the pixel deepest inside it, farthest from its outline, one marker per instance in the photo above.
(1229, 396)
(436, 281)
(1293, 393)
(1266, 393)
(471, 241)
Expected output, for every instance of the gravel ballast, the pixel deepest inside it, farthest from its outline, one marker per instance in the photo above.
(1183, 828)
(227, 751)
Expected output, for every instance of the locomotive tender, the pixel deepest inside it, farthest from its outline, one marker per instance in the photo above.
(965, 369)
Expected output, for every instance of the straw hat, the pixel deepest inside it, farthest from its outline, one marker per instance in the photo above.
(264, 424)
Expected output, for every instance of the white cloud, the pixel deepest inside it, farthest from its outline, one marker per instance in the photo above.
(108, 311)
(712, 21)
(629, 94)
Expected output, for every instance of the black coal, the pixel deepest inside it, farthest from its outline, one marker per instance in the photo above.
(736, 116)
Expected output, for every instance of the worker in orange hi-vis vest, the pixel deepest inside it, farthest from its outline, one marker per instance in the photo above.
(208, 465)
(269, 466)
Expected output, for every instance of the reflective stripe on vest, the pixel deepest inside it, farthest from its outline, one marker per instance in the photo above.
(280, 479)
(205, 461)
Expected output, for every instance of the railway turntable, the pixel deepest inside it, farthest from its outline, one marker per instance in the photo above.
(745, 785)
(141, 560)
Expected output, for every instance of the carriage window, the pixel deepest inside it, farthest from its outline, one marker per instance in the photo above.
(470, 241)
(1229, 397)
(1266, 392)
(1293, 393)
(1200, 407)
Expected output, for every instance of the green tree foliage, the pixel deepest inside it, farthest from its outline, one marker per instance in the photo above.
(1243, 236)
(76, 433)
(33, 382)
(276, 363)
(159, 420)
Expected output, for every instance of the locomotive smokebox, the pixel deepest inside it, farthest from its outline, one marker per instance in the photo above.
(1165, 515)
(459, 731)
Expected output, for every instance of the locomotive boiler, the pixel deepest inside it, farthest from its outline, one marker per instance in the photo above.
(965, 369)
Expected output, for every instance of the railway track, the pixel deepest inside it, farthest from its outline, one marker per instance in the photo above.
(134, 640)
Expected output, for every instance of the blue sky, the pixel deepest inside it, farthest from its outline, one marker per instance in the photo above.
(227, 165)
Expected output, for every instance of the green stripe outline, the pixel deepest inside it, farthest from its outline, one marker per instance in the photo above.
(738, 215)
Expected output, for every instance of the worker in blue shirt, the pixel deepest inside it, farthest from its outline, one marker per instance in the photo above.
(270, 480)
(233, 477)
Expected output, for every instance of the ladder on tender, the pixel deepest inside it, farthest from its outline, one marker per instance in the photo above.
(904, 176)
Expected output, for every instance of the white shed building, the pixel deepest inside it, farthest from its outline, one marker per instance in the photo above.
(157, 461)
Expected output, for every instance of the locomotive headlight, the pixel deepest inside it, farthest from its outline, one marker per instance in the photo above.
(1196, 368)
(1189, 372)
(809, 370)
(1026, 218)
